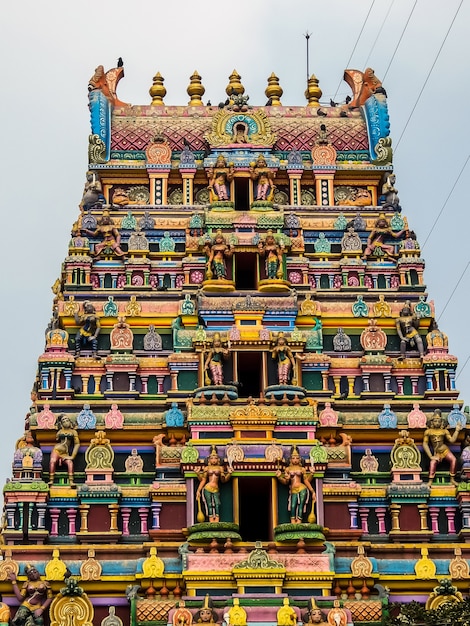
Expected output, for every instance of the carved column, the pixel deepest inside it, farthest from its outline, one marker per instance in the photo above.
(54, 513)
(395, 512)
(353, 507)
(364, 514)
(423, 514)
(143, 513)
(156, 510)
(434, 514)
(72, 516)
(113, 511)
(126, 515)
(84, 510)
(380, 512)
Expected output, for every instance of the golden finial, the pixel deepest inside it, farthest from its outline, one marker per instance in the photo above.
(274, 90)
(157, 90)
(313, 92)
(195, 90)
(234, 86)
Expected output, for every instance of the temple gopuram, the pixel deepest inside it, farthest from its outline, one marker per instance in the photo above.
(245, 411)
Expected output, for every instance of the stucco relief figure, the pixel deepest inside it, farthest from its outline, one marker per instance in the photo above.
(65, 450)
(273, 255)
(92, 192)
(390, 193)
(206, 614)
(314, 615)
(220, 177)
(435, 441)
(407, 329)
(300, 490)
(89, 330)
(282, 354)
(262, 175)
(111, 238)
(376, 241)
(208, 492)
(214, 363)
(217, 253)
(35, 596)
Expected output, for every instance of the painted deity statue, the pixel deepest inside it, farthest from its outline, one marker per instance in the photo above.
(390, 193)
(407, 329)
(376, 241)
(214, 361)
(65, 450)
(217, 252)
(435, 445)
(282, 354)
(273, 255)
(262, 175)
(92, 192)
(89, 330)
(220, 177)
(314, 615)
(111, 238)
(208, 492)
(206, 614)
(35, 596)
(300, 490)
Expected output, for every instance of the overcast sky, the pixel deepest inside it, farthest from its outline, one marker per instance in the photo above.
(49, 51)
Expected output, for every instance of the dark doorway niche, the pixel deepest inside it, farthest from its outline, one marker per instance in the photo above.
(242, 194)
(255, 508)
(246, 270)
(250, 368)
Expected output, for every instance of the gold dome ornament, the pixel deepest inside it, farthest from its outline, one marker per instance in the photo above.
(195, 90)
(234, 86)
(157, 90)
(313, 92)
(274, 91)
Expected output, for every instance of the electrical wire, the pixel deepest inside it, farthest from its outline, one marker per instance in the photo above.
(429, 74)
(461, 369)
(379, 33)
(355, 46)
(399, 41)
(445, 203)
(453, 291)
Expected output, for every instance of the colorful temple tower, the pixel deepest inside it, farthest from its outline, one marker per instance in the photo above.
(245, 410)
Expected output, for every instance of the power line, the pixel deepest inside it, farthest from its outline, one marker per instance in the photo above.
(445, 203)
(429, 74)
(355, 46)
(379, 33)
(453, 291)
(463, 367)
(399, 41)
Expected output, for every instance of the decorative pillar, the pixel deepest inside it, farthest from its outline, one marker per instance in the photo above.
(324, 187)
(55, 513)
(365, 381)
(388, 380)
(84, 510)
(160, 381)
(423, 514)
(337, 383)
(158, 184)
(187, 175)
(434, 514)
(85, 379)
(11, 508)
(41, 509)
(364, 514)
(144, 379)
(174, 381)
(113, 511)
(380, 512)
(156, 510)
(395, 512)
(450, 516)
(72, 515)
(400, 380)
(353, 507)
(414, 385)
(126, 515)
(324, 377)
(143, 513)
(294, 186)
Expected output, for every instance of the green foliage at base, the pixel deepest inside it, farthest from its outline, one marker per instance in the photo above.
(414, 614)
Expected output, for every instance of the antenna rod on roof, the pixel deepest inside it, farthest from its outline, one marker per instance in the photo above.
(307, 37)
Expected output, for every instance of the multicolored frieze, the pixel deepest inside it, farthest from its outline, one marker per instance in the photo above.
(245, 411)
